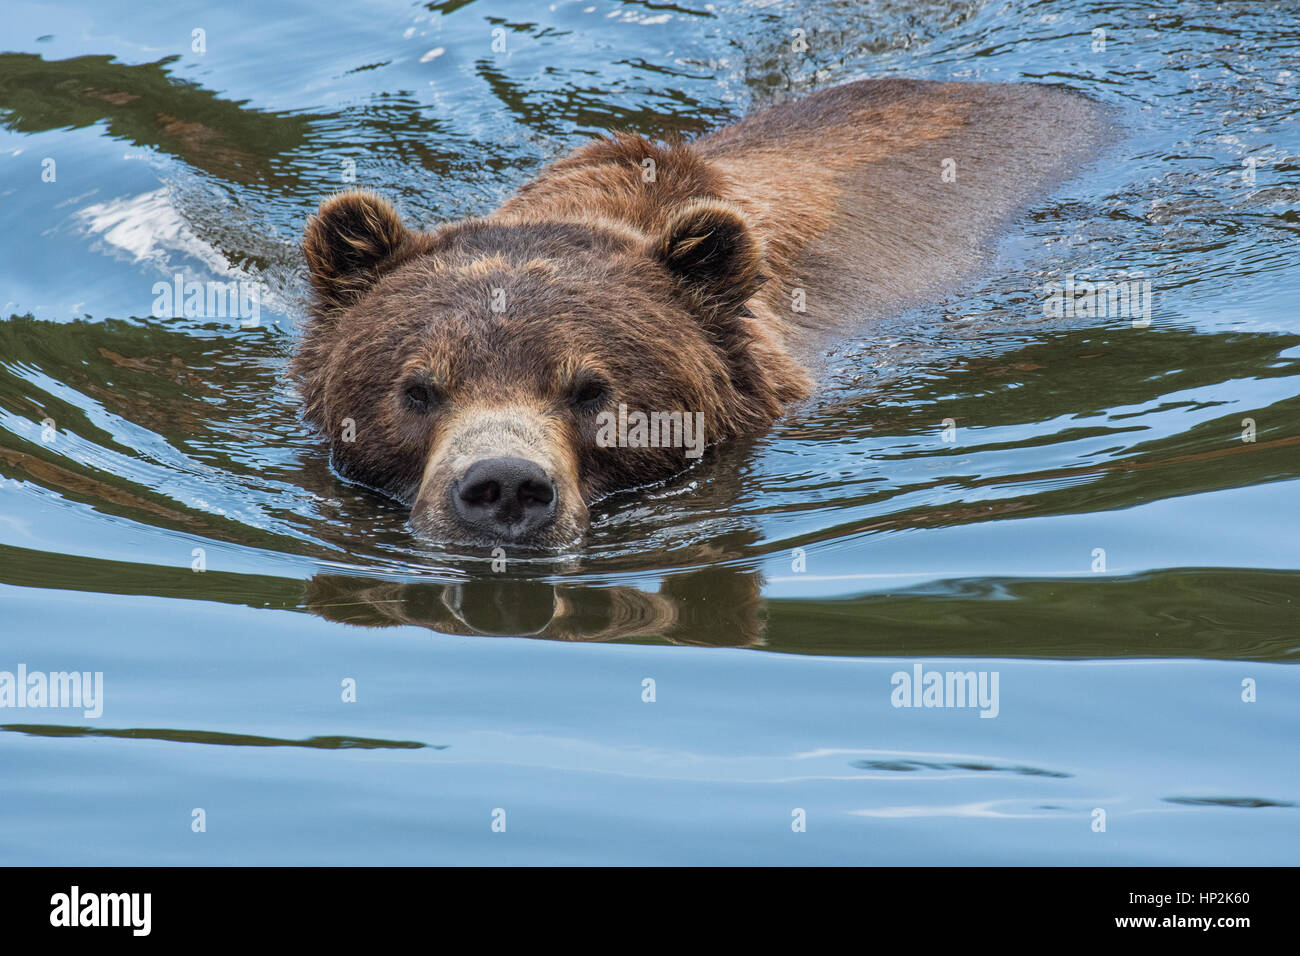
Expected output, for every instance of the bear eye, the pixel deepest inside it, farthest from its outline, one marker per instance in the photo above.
(420, 397)
(589, 392)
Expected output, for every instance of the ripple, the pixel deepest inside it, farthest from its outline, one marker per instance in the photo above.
(1239, 802)
(217, 738)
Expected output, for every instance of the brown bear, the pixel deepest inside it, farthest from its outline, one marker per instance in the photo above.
(637, 300)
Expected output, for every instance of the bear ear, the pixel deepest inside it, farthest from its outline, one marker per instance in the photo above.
(347, 243)
(709, 247)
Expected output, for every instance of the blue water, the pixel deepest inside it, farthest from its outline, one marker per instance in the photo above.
(771, 593)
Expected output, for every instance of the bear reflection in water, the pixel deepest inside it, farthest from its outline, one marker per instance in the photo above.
(513, 607)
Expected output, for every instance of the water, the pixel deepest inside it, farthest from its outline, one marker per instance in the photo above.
(1099, 534)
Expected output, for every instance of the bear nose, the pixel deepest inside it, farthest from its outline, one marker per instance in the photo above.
(506, 498)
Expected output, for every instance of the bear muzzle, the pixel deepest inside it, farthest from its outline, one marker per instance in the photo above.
(501, 477)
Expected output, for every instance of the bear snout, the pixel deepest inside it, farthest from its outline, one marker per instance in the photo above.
(509, 499)
(501, 474)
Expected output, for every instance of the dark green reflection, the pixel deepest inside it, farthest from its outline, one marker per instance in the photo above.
(220, 739)
(143, 104)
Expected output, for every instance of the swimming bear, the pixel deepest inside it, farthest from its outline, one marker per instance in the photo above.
(637, 301)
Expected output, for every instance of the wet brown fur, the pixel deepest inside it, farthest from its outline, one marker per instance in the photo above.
(676, 289)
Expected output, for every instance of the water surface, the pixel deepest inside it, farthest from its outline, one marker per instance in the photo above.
(1098, 533)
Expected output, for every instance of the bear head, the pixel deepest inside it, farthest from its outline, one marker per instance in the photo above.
(490, 373)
